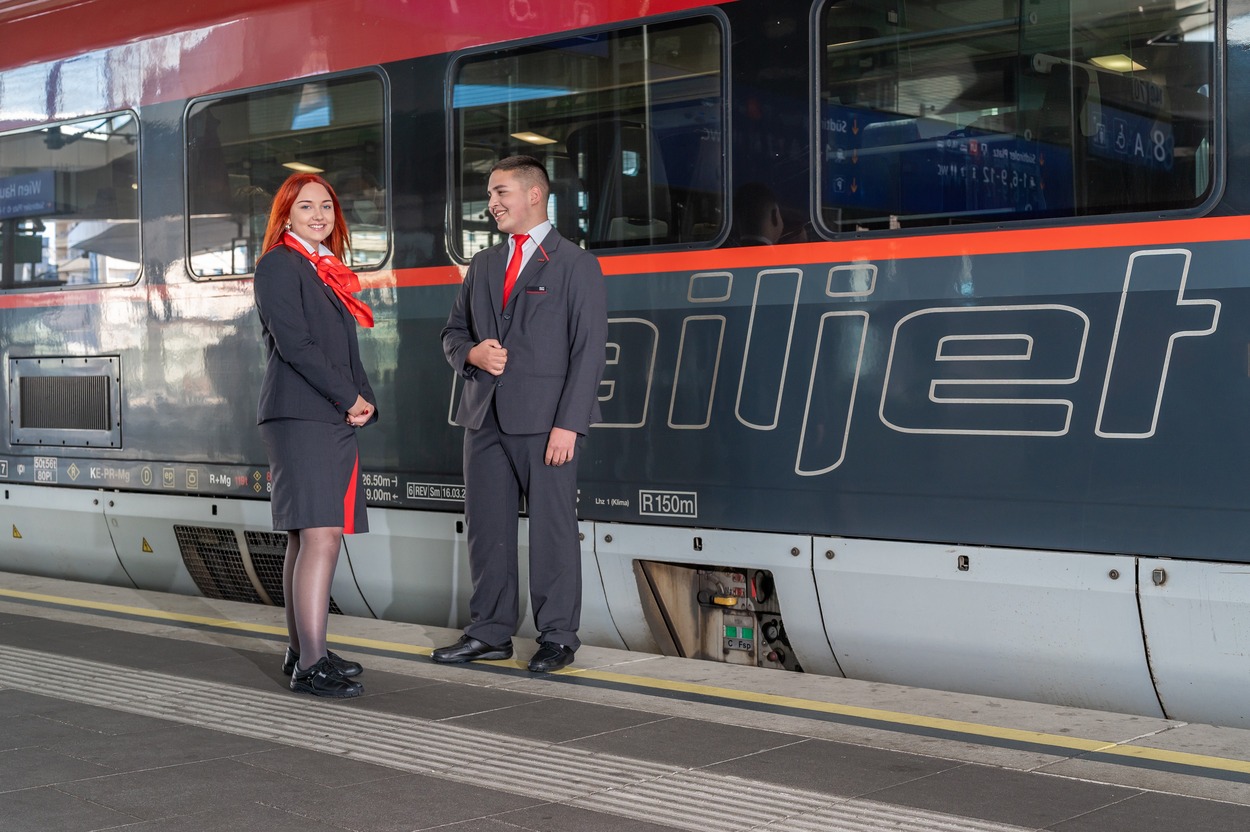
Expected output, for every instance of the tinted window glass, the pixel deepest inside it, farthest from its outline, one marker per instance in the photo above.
(629, 125)
(69, 203)
(241, 148)
(948, 111)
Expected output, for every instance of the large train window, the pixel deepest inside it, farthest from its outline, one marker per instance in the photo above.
(240, 148)
(69, 203)
(629, 123)
(940, 112)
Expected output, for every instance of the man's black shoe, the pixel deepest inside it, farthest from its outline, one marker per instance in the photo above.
(346, 668)
(469, 649)
(551, 656)
(323, 680)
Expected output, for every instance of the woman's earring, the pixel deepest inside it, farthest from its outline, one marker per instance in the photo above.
(288, 225)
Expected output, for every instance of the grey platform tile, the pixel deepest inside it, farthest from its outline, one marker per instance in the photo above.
(556, 817)
(254, 671)
(15, 702)
(481, 825)
(315, 767)
(189, 789)
(443, 700)
(380, 682)
(556, 720)
(684, 742)
(1002, 795)
(246, 817)
(7, 618)
(1154, 812)
(49, 810)
(26, 768)
(834, 768)
(167, 745)
(37, 730)
(101, 720)
(404, 803)
(148, 652)
(46, 634)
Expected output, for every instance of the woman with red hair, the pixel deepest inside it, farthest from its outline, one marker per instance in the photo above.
(313, 398)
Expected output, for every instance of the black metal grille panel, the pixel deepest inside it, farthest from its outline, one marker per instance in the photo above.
(65, 402)
(268, 551)
(74, 402)
(213, 558)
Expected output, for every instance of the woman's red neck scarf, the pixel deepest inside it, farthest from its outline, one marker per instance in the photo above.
(342, 280)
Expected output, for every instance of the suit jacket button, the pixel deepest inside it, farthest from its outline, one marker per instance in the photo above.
(507, 317)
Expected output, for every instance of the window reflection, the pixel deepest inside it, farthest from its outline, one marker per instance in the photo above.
(629, 125)
(241, 148)
(948, 111)
(69, 203)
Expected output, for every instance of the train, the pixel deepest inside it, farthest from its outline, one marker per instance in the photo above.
(968, 413)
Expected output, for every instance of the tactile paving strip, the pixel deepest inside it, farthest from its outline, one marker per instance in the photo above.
(670, 795)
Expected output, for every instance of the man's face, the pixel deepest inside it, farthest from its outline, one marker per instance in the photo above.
(515, 207)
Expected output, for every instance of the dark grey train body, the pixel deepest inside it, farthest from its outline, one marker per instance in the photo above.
(943, 434)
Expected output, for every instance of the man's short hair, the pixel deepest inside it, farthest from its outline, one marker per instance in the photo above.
(526, 168)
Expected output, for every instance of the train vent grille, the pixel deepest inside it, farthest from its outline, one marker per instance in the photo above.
(213, 558)
(65, 401)
(268, 551)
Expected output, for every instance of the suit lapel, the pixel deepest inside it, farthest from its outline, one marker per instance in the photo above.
(532, 269)
(326, 290)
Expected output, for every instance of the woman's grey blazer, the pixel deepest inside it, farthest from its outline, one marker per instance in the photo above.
(312, 368)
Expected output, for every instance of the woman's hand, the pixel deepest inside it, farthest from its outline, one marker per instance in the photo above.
(359, 414)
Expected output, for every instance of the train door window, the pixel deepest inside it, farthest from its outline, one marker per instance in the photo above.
(629, 124)
(939, 112)
(240, 148)
(69, 203)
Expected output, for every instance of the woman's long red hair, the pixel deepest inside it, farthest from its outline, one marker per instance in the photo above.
(340, 238)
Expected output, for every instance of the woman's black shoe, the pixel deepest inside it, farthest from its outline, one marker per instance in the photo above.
(347, 668)
(322, 679)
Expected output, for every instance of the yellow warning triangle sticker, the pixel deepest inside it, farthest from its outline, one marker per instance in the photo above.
(147, 547)
(16, 533)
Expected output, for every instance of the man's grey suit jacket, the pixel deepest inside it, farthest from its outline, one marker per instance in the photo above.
(554, 328)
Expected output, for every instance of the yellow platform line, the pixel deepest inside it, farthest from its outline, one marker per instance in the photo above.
(977, 729)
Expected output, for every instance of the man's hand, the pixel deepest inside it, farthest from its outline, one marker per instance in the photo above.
(489, 355)
(560, 444)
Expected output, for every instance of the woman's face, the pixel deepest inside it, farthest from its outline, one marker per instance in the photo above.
(312, 215)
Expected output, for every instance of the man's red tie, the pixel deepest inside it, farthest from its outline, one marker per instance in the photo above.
(514, 266)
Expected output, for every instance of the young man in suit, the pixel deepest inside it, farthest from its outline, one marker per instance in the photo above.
(528, 332)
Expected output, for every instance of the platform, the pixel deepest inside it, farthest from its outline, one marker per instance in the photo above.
(142, 711)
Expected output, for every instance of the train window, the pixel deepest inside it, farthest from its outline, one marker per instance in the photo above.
(240, 148)
(941, 112)
(69, 203)
(629, 124)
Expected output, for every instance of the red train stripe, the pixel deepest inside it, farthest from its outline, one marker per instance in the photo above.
(1018, 241)
(1064, 238)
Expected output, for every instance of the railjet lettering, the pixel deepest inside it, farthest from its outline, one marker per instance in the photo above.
(998, 370)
